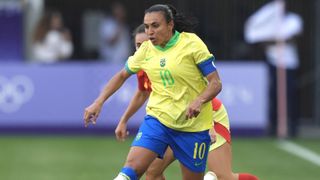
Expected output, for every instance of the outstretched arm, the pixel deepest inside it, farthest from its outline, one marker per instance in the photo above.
(137, 101)
(92, 112)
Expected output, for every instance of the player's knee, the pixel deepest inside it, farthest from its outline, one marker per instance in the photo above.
(138, 167)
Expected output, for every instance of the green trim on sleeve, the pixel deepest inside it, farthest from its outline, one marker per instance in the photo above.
(126, 67)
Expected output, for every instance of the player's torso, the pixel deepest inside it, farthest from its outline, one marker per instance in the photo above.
(176, 82)
(173, 70)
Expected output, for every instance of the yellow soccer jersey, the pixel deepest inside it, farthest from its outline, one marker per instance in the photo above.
(176, 80)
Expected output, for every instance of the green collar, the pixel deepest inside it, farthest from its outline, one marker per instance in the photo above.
(171, 42)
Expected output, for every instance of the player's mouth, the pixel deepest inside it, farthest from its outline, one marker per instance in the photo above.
(153, 40)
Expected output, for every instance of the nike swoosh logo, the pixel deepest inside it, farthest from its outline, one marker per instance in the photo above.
(198, 164)
(147, 59)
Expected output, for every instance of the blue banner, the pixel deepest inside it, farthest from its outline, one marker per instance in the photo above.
(56, 95)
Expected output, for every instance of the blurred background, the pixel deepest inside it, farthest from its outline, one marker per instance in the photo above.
(56, 55)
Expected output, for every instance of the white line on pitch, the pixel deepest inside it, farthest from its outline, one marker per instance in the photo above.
(300, 151)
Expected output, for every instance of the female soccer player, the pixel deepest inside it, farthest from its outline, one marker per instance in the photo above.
(184, 79)
(220, 156)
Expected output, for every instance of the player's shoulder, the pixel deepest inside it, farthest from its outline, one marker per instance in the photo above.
(143, 49)
(145, 45)
(190, 38)
(189, 35)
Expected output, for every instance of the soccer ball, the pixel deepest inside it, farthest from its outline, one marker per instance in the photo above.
(210, 176)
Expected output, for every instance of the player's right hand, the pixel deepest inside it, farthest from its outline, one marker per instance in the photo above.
(121, 131)
(91, 113)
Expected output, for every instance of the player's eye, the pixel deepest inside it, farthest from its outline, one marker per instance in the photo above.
(155, 25)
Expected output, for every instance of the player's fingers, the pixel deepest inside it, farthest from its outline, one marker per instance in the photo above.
(87, 114)
(88, 117)
(84, 114)
(118, 136)
(86, 122)
(122, 136)
(85, 118)
(116, 132)
(192, 113)
(93, 118)
(196, 113)
(188, 114)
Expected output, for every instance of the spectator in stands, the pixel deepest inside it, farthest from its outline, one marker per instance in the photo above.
(115, 36)
(51, 40)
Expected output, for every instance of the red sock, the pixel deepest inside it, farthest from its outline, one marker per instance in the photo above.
(246, 176)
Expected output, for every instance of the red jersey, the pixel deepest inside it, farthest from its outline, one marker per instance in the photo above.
(144, 83)
(216, 104)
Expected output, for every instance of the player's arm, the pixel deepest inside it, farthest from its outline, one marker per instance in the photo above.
(213, 88)
(205, 62)
(91, 113)
(137, 101)
(211, 91)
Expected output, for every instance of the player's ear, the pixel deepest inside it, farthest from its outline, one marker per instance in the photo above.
(171, 25)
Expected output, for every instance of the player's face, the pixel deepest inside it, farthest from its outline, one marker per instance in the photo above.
(139, 39)
(157, 28)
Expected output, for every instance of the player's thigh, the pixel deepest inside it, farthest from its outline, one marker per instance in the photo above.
(191, 149)
(158, 166)
(150, 142)
(139, 158)
(220, 161)
(187, 174)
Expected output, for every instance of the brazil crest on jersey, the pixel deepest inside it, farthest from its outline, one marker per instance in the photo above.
(177, 74)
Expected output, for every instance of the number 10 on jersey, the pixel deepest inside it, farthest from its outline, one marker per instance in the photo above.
(166, 77)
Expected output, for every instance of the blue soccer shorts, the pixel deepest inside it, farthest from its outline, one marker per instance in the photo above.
(190, 148)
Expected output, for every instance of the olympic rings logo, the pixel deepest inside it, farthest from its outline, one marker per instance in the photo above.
(14, 92)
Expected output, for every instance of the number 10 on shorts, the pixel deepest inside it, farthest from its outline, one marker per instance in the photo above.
(199, 150)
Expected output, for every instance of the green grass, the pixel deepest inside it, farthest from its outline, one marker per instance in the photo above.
(100, 158)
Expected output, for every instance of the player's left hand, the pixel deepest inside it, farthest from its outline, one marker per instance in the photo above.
(193, 109)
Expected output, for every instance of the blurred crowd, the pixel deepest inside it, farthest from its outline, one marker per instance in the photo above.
(52, 40)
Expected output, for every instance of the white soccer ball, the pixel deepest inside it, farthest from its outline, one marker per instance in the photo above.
(210, 176)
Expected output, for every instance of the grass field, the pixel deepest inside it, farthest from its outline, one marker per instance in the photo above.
(100, 158)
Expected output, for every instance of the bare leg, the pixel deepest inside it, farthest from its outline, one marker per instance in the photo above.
(190, 175)
(220, 162)
(157, 167)
(139, 159)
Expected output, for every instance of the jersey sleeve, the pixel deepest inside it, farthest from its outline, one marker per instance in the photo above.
(133, 64)
(203, 58)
